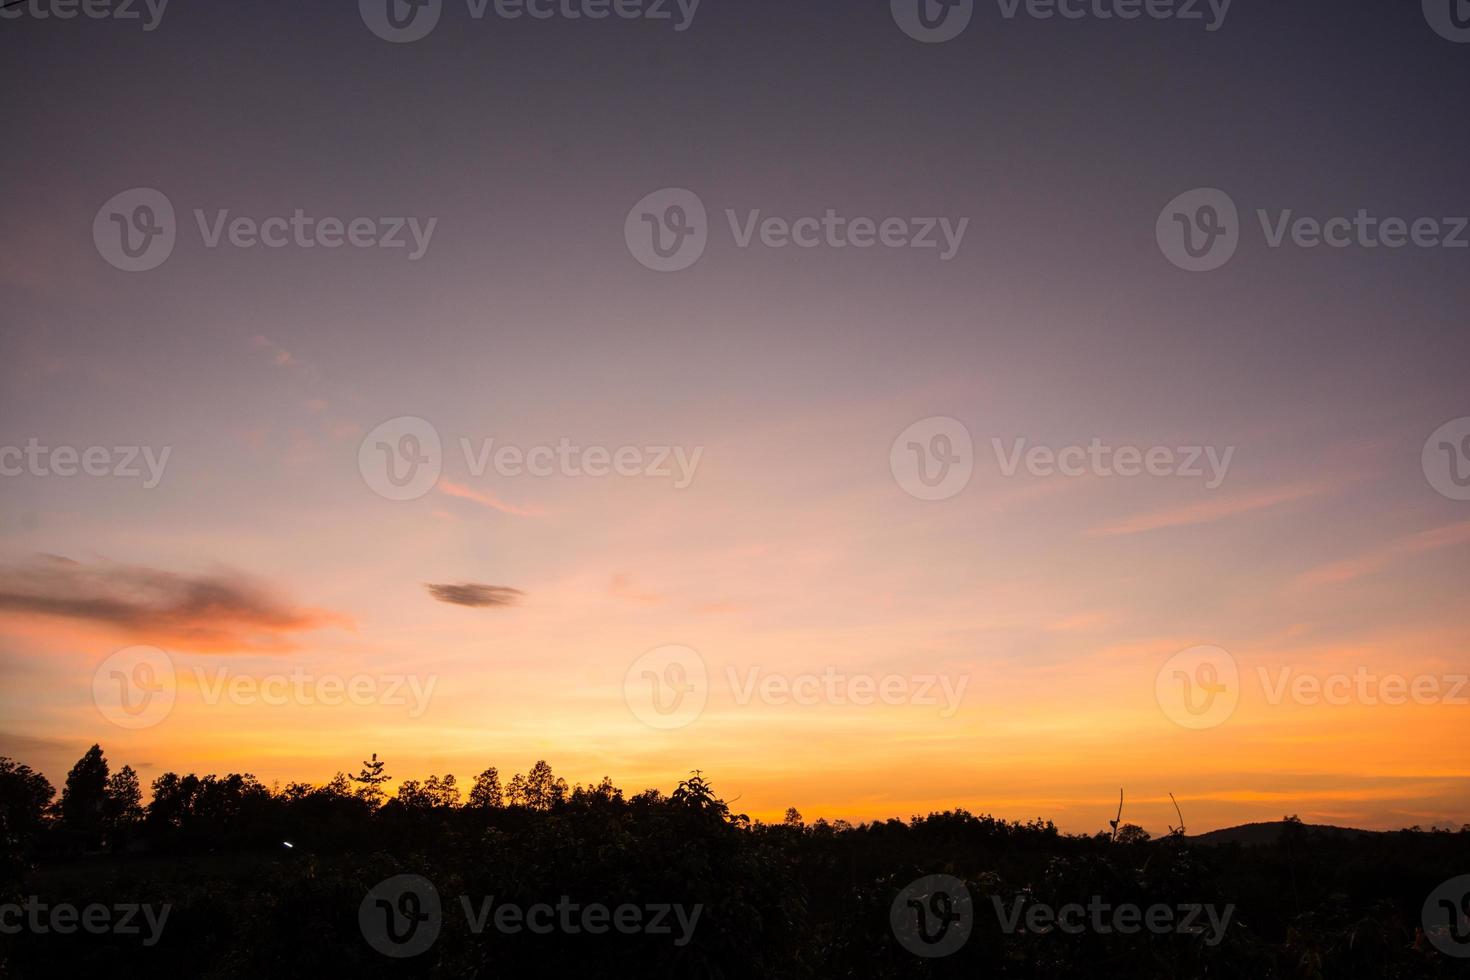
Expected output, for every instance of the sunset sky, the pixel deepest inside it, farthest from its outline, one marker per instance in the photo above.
(794, 549)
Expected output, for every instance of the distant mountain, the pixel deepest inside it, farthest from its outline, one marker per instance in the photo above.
(1269, 833)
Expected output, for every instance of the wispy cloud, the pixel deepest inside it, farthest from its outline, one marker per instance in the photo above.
(279, 355)
(219, 611)
(622, 587)
(452, 489)
(475, 595)
(1379, 558)
(1211, 510)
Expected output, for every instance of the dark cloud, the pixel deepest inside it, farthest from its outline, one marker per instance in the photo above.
(22, 747)
(221, 610)
(475, 594)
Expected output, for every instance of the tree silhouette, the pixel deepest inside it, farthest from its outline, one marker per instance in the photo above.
(443, 792)
(25, 796)
(371, 779)
(485, 794)
(543, 788)
(1131, 833)
(83, 809)
(603, 793)
(124, 806)
(696, 795)
(432, 793)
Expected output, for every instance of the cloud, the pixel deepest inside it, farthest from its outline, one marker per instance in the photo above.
(451, 489)
(342, 430)
(1209, 511)
(281, 357)
(476, 595)
(220, 611)
(621, 587)
(1379, 558)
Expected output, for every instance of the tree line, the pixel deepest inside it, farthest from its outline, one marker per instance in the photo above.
(103, 811)
(788, 899)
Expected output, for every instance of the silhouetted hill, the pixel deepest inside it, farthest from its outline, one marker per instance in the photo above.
(1254, 834)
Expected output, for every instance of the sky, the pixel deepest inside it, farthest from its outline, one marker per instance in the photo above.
(830, 509)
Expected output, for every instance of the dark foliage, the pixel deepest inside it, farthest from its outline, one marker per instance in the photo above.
(792, 899)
